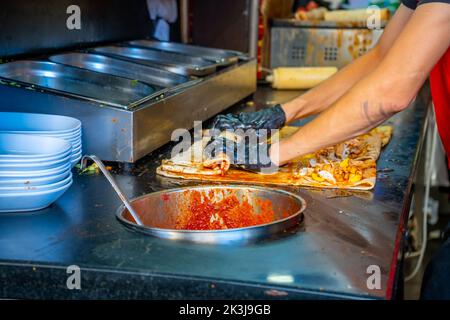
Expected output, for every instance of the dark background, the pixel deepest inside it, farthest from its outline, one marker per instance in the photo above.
(34, 26)
(221, 24)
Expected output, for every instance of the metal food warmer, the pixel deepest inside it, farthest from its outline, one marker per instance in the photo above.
(297, 43)
(130, 96)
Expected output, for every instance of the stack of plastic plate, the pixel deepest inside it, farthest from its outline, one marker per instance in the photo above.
(34, 171)
(46, 125)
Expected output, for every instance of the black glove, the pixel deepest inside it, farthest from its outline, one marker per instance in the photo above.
(269, 118)
(243, 154)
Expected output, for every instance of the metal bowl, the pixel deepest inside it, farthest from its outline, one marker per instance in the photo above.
(160, 211)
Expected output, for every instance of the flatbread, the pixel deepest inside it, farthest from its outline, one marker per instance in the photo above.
(348, 165)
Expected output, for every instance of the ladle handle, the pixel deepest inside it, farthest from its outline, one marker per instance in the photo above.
(113, 183)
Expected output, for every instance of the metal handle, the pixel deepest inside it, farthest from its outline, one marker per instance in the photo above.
(113, 183)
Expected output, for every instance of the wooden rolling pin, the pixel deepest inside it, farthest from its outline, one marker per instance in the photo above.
(299, 78)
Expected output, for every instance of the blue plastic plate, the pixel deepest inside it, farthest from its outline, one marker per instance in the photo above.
(20, 202)
(74, 133)
(17, 182)
(75, 161)
(77, 155)
(76, 150)
(76, 144)
(75, 141)
(36, 159)
(7, 175)
(26, 146)
(44, 123)
(32, 188)
(35, 166)
(71, 135)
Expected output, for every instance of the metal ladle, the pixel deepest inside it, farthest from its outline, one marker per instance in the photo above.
(113, 183)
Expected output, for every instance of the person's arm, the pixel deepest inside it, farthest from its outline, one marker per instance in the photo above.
(385, 91)
(325, 94)
(318, 99)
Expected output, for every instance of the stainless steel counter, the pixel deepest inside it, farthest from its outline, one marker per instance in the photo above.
(344, 233)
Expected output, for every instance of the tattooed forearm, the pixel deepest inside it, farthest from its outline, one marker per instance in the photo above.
(365, 109)
(376, 114)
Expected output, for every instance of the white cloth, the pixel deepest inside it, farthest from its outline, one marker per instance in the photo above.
(164, 9)
(162, 30)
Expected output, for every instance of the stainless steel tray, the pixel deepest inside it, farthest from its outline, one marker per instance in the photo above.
(219, 56)
(99, 63)
(127, 135)
(174, 62)
(85, 84)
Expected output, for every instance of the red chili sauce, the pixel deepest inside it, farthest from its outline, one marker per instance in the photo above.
(205, 213)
